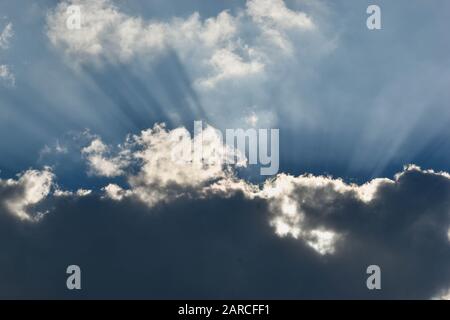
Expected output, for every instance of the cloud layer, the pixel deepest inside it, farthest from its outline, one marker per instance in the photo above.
(175, 233)
(231, 59)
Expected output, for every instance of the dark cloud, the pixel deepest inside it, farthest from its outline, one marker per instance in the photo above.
(225, 247)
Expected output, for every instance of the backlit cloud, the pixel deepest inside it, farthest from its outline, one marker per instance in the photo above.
(214, 49)
(290, 238)
(31, 187)
(5, 71)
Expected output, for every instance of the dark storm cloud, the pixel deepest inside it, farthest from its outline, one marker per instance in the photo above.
(221, 247)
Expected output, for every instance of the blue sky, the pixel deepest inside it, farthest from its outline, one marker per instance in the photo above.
(351, 104)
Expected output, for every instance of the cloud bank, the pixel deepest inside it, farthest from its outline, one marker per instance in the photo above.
(172, 232)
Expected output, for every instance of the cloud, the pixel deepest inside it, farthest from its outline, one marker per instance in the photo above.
(66, 193)
(220, 65)
(5, 71)
(100, 163)
(164, 165)
(6, 35)
(223, 245)
(7, 75)
(214, 49)
(31, 187)
(166, 162)
(275, 14)
(444, 295)
(228, 64)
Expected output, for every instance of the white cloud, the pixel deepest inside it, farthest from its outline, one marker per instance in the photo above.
(273, 14)
(100, 164)
(58, 148)
(5, 71)
(158, 152)
(227, 64)
(323, 241)
(29, 189)
(7, 75)
(444, 295)
(252, 119)
(168, 164)
(213, 49)
(413, 167)
(114, 192)
(233, 59)
(67, 193)
(6, 35)
(102, 22)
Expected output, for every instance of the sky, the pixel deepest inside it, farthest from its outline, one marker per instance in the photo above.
(90, 118)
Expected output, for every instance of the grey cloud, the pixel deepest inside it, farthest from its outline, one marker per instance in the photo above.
(225, 247)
